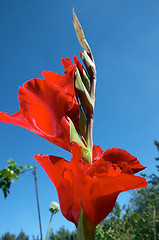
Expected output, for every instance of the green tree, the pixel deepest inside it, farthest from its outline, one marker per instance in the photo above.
(144, 215)
(62, 234)
(8, 236)
(21, 236)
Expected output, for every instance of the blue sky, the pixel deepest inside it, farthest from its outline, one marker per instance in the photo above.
(124, 38)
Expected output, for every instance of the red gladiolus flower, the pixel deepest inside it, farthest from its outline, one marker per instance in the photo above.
(96, 186)
(45, 105)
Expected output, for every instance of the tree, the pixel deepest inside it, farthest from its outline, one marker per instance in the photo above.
(62, 234)
(21, 236)
(8, 236)
(145, 208)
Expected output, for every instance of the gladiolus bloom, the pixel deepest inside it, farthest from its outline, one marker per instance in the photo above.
(95, 185)
(46, 104)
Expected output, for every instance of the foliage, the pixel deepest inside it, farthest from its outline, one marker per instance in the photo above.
(62, 234)
(144, 217)
(145, 208)
(99, 232)
(137, 221)
(9, 174)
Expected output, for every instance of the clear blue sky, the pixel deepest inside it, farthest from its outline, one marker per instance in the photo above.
(124, 37)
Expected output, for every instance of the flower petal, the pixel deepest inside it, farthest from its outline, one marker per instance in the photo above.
(66, 63)
(119, 156)
(19, 120)
(60, 173)
(78, 65)
(98, 196)
(66, 84)
(97, 152)
(66, 81)
(16, 119)
(44, 106)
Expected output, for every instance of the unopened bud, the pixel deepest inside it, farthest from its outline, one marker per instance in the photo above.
(54, 207)
(90, 65)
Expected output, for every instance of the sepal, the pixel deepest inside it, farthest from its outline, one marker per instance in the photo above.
(86, 101)
(86, 155)
(85, 229)
(90, 65)
(86, 81)
(82, 123)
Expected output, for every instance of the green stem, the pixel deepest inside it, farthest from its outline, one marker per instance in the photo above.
(90, 118)
(49, 226)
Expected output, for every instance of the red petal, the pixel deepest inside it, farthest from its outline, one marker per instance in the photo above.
(66, 84)
(53, 77)
(16, 119)
(78, 65)
(98, 196)
(80, 54)
(44, 105)
(97, 152)
(118, 156)
(66, 63)
(19, 120)
(66, 81)
(60, 173)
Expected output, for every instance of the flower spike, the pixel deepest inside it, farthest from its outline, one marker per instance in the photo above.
(88, 61)
(60, 108)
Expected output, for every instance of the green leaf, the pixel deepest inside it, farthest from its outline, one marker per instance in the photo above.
(27, 166)
(11, 163)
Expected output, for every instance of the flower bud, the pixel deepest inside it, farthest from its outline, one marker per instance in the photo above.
(54, 207)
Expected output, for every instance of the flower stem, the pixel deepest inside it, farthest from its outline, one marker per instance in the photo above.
(90, 119)
(49, 226)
